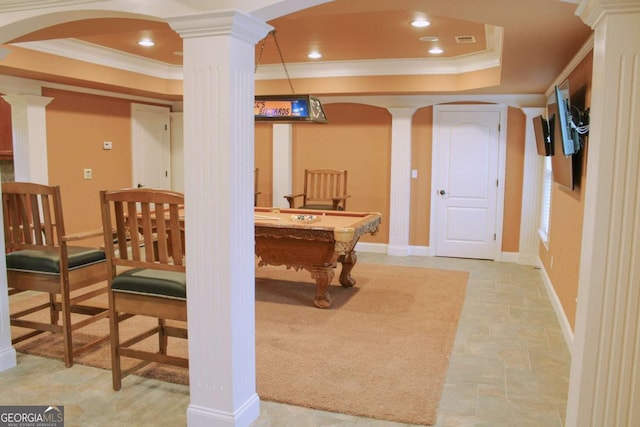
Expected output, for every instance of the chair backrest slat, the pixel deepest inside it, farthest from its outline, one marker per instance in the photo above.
(32, 216)
(151, 222)
(322, 185)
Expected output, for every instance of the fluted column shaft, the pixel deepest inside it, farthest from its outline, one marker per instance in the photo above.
(218, 155)
(29, 124)
(531, 192)
(604, 387)
(400, 209)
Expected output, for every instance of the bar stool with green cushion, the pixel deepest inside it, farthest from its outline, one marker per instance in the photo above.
(147, 275)
(41, 257)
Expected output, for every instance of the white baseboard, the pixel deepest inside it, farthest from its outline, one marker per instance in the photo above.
(383, 248)
(398, 250)
(565, 326)
(509, 257)
(529, 259)
(419, 251)
(378, 248)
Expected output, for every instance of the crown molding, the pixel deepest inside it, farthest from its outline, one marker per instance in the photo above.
(100, 55)
(586, 48)
(420, 101)
(88, 52)
(18, 5)
(490, 57)
(379, 67)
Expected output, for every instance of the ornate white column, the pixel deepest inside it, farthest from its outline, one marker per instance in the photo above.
(604, 384)
(218, 156)
(29, 137)
(28, 120)
(531, 192)
(282, 163)
(399, 211)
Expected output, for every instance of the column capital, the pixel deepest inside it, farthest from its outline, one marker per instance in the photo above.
(231, 22)
(591, 11)
(402, 112)
(24, 100)
(533, 111)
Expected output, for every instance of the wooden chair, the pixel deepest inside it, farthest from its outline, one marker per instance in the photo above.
(256, 174)
(144, 240)
(323, 189)
(41, 257)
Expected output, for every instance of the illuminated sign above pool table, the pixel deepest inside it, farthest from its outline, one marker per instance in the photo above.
(288, 109)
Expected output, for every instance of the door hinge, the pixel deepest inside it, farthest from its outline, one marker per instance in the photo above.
(499, 127)
(494, 236)
(166, 174)
(497, 183)
(166, 127)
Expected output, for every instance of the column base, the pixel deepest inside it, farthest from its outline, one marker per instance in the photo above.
(7, 359)
(198, 416)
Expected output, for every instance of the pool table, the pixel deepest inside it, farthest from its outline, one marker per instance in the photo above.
(314, 241)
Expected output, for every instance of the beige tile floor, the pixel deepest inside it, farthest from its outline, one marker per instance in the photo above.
(509, 367)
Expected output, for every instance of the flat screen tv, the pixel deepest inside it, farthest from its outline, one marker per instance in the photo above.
(561, 164)
(566, 131)
(542, 127)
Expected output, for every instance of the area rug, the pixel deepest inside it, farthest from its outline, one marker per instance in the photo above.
(380, 351)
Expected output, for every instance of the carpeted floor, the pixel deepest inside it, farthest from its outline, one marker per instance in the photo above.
(381, 351)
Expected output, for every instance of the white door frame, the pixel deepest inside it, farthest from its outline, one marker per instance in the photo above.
(435, 169)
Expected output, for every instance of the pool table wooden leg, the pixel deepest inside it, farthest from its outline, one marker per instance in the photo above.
(322, 276)
(348, 261)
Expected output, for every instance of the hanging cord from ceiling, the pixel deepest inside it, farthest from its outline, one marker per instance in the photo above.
(264, 41)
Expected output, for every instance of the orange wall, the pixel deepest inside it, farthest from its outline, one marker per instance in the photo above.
(561, 259)
(77, 124)
(513, 180)
(358, 139)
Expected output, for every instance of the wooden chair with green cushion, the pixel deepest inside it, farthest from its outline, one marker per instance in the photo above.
(144, 241)
(41, 257)
(324, 189)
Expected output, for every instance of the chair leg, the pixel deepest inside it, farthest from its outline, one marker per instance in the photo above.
(116, 371)
(53, 312)
(162, 336)
(65, 308)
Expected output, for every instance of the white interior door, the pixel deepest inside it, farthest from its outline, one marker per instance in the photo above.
(468, 182)
(151, 145)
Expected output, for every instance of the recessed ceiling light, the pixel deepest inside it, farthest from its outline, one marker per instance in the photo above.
(146, 42)
(420, 23)
(429, 39)
(436, 50)
(314, 55)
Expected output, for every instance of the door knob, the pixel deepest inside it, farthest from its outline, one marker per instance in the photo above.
(442, 192)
